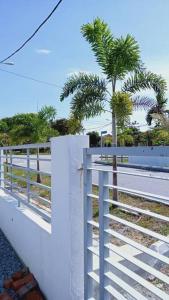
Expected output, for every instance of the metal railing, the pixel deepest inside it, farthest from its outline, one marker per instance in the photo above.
(26, 175)
(120, 237)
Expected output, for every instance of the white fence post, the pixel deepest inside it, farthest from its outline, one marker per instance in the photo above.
(67, 215)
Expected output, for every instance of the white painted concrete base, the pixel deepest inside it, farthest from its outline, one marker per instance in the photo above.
(30, 236)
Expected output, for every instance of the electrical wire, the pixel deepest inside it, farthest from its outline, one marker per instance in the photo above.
(30, 78)
(105, 125)
(33, 34)
(100, 127)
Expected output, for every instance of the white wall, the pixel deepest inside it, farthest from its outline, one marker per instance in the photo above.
(149, 161)
(30, 237)
(54, 253)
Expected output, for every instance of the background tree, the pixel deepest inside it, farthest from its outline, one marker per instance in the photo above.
(47, 113)
(29, 128)
(160, 137)
(67, 126)
(107, 140)
(42, 130)
(125, 137)
(94, 138)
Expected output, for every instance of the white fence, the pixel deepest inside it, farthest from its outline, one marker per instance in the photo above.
(126, 242)
(21, 176)
(89, 246)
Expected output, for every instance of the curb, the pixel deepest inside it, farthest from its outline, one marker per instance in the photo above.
(135, 166)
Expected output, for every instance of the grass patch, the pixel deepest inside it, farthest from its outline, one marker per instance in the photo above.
(39, 191)
(142, 220)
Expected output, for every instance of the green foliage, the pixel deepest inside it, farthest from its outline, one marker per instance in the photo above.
(148, 80)
(42, 131)
(5, 139)
(61, 125)
(94, 138)
(47, 113)
(160, 137)
(67, 126)
(74, 125)
(107, 140)
(116, 56)
(125, 137)
(132, 136)
(122, 106)
(89, 94)
(28, 127)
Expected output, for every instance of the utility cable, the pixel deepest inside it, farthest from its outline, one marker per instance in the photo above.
(30, 78)
(33, 34)
(100, 127)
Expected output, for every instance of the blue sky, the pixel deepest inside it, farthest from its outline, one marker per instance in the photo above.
(59, 49)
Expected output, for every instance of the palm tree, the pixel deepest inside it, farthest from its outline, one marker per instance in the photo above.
(117, 57)
(138, 82)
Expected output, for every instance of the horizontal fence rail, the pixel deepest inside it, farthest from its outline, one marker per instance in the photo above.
(126, 242)
(25, 174)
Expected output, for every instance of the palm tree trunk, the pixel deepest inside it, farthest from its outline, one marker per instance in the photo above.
(114, 144)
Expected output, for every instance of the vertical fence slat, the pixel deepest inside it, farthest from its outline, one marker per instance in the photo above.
(103, 225)
(88, 230)
(28, 175)
(11, 181)
(1, 168)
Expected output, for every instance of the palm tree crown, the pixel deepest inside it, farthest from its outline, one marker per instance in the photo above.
(116, 56)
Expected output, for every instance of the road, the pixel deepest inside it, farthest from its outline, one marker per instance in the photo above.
(150, 185)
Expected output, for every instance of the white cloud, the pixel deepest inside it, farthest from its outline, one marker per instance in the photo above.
(76, 72)
(43, 51)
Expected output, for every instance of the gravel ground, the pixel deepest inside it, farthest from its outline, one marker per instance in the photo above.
(9, 261)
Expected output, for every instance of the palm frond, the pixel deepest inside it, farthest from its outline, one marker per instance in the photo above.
(146, 80)
(142, 102)
(116, 56)
(101, 40)
(124, 57)
(80, 81)
(89, 95)
(87, 103)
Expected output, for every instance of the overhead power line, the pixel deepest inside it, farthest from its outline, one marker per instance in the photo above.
(99, 127)
(33, 34)
(30, 78)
